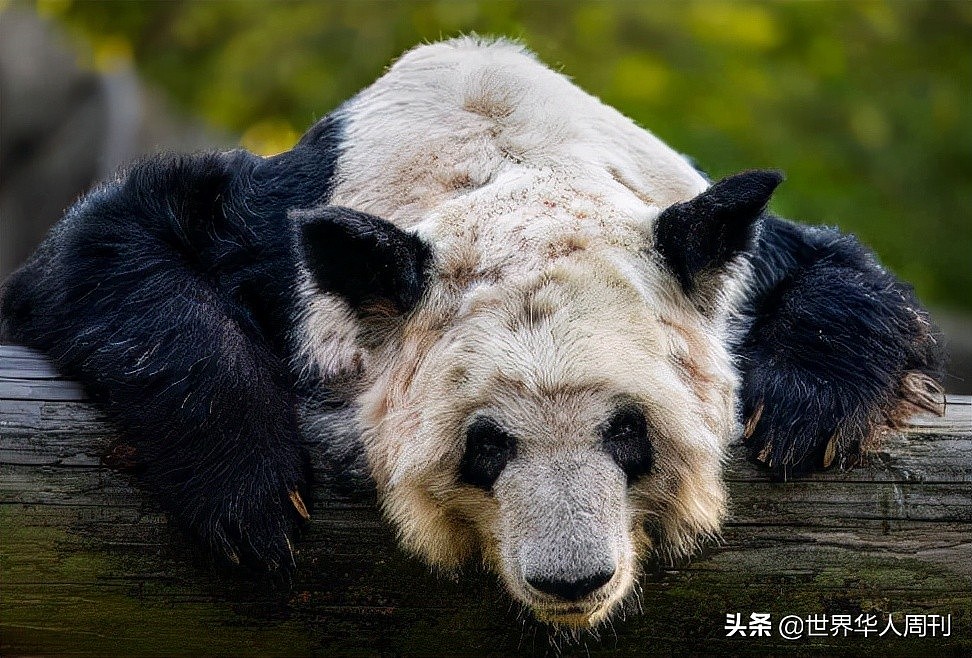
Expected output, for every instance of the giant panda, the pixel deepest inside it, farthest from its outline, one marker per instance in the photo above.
(534, 325)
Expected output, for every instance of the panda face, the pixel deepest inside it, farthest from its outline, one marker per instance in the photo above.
(559, 534)
(533, 333)
(550, 419)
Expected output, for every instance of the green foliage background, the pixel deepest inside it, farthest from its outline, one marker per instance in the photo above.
(865, 105)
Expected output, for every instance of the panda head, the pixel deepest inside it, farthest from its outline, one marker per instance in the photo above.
(540, 374)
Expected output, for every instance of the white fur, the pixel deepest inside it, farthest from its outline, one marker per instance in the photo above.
(465, 114)
(481, 126)
(546, 306)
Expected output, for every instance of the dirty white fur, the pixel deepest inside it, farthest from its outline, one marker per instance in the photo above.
(546, 309)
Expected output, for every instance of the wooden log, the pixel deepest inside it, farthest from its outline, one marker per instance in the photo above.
(88, 564)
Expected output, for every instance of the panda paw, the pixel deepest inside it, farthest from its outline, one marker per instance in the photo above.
(248, 515)
(797, 425)
(793, 433)
(256, 529)
(837, 351)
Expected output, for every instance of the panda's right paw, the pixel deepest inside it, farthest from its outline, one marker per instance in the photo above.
(256, 527)
(247, 514)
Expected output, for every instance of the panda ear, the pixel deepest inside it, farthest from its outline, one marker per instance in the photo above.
(698, 238)
(363, 258)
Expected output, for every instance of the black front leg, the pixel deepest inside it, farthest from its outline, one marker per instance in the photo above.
(131, 296)
(832, 349)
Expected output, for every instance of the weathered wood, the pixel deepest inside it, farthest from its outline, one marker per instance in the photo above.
(90, 566)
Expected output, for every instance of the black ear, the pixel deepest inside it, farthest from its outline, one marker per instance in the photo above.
(698, 237)
(364, 258)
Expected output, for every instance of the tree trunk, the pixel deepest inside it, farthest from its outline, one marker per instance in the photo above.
(90, 566)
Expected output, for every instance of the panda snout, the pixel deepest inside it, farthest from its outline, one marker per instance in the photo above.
(571, 588)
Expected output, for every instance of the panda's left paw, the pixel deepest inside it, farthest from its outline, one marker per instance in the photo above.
(792, 427)
(836, 351)
(800, 426)
(796, 423)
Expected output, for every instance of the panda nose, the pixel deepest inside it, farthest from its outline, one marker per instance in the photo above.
(571, 589)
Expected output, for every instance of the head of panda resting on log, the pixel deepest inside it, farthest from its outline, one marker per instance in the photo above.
(536, 325)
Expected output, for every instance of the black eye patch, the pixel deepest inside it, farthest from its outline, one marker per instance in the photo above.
(488, 449)
(625, 437)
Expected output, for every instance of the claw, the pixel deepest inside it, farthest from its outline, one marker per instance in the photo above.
(918, 393)
(298, 503)
(765, 452)
(227, 547)
(830, 452)
(290, 552)
(233, 557)
(752, 422)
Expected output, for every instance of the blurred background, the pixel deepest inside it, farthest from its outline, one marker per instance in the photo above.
(867, 106)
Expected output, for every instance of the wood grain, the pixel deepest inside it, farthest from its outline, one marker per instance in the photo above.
(89, 566)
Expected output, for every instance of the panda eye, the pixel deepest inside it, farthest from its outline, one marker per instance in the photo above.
(488, 449)
(625, 437)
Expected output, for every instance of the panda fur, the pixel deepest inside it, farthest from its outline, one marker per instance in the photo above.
(533, 325)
